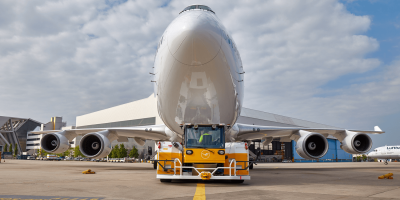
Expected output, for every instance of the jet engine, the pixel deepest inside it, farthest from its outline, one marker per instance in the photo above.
(55, 142)
(97, 144)
(355, 143)
(310, 145)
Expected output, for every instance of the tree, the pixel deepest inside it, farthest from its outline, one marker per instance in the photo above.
(134, 153)
(42, 153)
(67, 152)
(64, 154)
(122, 151)
(77, 152)
(115, 152)
(10, 148)
(16, 150)
(5, 148)
(364, 157)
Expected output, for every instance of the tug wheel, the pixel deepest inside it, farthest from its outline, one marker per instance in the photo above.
(237, 181)
(251, 166)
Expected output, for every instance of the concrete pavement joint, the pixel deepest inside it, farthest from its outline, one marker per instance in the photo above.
(383, 192)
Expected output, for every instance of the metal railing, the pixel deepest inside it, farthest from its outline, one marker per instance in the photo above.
(176, 160)
(233, 161)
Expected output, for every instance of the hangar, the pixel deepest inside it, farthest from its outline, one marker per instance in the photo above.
(144, 112)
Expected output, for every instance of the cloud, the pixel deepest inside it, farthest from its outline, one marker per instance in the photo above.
(302, 47)
(69, 58)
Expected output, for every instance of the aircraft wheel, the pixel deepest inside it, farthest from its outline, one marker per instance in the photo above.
(165, 180)
(251, 166)
(155, 165)
(386, 163)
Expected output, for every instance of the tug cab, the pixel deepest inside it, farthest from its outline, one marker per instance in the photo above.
(204, 144)
(203, 155)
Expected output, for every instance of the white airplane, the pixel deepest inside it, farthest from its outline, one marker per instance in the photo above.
(199, 85)
(386, 153)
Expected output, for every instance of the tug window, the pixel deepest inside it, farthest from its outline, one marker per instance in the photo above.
(204, 137)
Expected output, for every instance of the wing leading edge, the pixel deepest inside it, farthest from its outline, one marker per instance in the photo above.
(155, 132)
(311, 143)
(251, 132)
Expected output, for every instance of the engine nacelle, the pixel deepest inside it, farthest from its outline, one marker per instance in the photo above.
(355, 143)
(96, 145)
(55, 142)
(310, 145)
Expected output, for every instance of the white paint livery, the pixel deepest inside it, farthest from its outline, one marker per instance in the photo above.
(198, 72)
(386, 153)
(198, 79)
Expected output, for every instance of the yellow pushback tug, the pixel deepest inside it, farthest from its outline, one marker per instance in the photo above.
(203, 155)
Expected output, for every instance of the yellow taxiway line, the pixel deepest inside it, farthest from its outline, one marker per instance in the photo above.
(200, 192)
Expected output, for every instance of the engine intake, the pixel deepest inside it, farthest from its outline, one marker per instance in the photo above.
(96, 145)
(355, 143)
(54, 142)
(311, 145)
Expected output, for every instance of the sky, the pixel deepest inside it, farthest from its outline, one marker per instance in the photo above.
(335, 62)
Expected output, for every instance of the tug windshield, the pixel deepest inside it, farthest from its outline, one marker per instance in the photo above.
(204, 137)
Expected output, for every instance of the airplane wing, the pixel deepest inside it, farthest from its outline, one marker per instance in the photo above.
(251, 132)
(311, 143)
(154, 132)
(96, 142)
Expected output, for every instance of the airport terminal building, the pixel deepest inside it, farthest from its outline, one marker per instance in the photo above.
(144, 112)
(14, 131)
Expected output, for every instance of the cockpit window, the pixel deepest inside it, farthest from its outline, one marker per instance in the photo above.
(205, 8)
(202, 7)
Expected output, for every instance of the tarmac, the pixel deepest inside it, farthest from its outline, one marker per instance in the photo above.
(32, 179)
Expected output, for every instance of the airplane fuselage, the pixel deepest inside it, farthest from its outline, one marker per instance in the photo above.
(198, 72)
(386, 152)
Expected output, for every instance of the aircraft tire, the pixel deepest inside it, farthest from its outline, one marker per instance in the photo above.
(251, 166)
(155, 165)
(165, 180)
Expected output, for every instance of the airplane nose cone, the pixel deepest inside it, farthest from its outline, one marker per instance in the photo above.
(195, 41)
